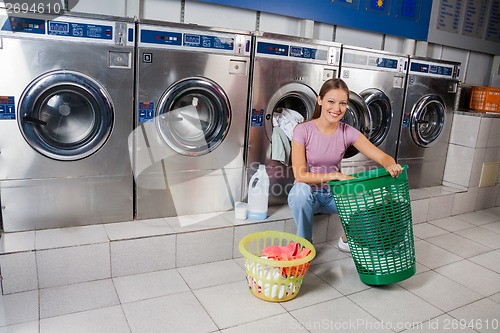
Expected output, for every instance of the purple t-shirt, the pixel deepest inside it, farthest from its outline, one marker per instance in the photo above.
(324, 152)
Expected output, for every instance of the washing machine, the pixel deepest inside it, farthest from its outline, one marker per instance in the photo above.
(430, 97)
(192, 95)
(66, 102)
(288, 73)
(376, 80)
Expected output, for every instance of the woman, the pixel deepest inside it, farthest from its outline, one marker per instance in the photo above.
(318, 147)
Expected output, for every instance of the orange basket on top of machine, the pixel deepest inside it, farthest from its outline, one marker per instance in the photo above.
(485, 99)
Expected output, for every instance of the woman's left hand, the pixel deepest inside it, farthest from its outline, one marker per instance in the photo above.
(394, 170)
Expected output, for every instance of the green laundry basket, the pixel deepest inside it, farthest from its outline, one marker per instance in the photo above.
(375, 211)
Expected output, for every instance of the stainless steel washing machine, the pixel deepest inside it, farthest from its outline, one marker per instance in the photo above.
(66, 102)
(287, 75)
(428, 114)
(192, 95)
(376, 80)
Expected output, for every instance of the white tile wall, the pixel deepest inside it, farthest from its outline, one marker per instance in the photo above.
(494, 133)
(214, 15)
(486, 197)
(64, 237)
(457, 55)
(279, 24)
(142, 255)
(114, 8)
(464, 202)
(477, 166)
(200, 247)
(459, 165)
(58, 267)
(419, 210)
(18, 272)
(323, 31)
(484, 131)
(465, 130)
(478, 71)
(358, 38)
(440, 207)
(137, 229)
(161, 10)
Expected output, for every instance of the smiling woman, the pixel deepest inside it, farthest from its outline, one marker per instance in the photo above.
(318, 147)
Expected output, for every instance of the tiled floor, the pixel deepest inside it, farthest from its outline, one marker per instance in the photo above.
(456, 288)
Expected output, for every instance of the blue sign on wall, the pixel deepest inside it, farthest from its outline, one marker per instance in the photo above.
(405, 18)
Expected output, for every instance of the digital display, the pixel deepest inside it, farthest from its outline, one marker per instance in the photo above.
(303, 52)
(272, 48)
(58, 27)
(192, 39)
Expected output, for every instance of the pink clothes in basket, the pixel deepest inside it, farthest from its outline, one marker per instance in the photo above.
(292, 251)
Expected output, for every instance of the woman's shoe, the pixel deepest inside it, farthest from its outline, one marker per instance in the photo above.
(343, 246)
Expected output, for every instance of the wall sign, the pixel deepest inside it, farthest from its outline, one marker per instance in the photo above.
(474, 24)
(405, 18)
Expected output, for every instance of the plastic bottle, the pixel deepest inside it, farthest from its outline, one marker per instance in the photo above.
(258, 194)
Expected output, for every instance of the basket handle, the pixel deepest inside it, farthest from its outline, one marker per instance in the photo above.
(365, 175)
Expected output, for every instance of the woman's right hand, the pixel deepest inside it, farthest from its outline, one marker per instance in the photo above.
(341, 176)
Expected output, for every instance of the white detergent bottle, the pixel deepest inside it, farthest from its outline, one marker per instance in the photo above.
(258, 194)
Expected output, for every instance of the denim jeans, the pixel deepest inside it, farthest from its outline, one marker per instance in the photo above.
(304, 202)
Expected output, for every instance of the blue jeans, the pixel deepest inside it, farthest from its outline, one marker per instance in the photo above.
(304, 202)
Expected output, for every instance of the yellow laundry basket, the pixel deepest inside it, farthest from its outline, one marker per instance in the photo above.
(273, 280)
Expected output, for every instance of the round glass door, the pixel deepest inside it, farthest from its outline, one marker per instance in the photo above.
(427, 120)
(293, 101)
(65, 115)
(358, 116)
(194, 116)
(380, 110)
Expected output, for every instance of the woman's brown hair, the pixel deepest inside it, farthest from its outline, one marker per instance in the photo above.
(326, 87)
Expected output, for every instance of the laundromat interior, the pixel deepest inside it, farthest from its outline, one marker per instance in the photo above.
(130, 129)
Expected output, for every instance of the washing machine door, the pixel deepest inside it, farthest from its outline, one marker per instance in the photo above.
(358, 116)
(193, 116)
(65, 115)
(427, 120)
(292, 96)
(379, 107)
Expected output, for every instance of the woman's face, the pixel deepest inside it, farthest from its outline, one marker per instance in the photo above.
(333, 105)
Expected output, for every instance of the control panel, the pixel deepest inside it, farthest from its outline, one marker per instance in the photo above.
(419, 67)
(323, 54)
(375, 61)
(236, 44)
(118, 33)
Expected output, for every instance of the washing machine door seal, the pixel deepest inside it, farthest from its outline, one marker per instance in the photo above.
(65, 115)
(427, 120)
(358, 116)
(380, 110)
(193, 116)
(289, 96)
